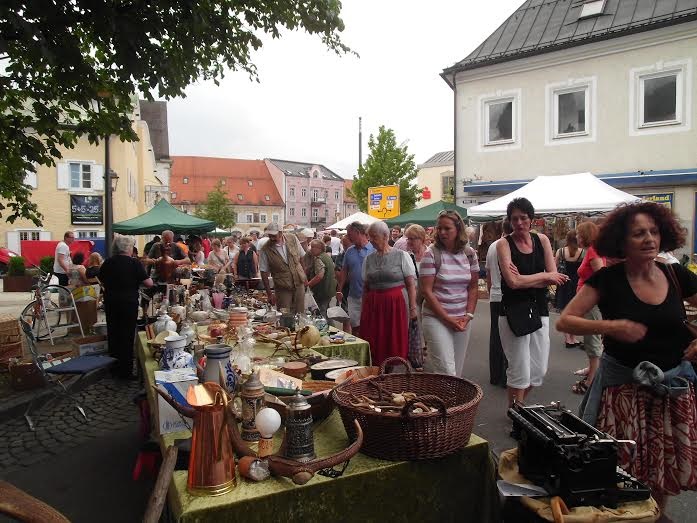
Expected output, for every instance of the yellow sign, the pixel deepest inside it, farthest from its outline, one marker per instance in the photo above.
(383, 201)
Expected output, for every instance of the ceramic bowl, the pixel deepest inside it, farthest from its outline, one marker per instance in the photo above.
(199, 315)
(296, 369)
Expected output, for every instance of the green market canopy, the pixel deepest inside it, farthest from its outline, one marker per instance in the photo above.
(426, 216)
(161, 217)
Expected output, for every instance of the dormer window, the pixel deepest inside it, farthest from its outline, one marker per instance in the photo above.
(222, 181)
(185, 180)
(592, 8)
(250, 183)
(240, 197)
(267, 197)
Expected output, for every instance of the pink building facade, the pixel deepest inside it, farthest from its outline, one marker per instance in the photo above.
(314, 195)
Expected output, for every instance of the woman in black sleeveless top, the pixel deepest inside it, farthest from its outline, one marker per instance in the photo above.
(246, 262)
(527, 268)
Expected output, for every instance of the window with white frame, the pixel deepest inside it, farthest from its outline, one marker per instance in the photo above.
(326, 212)
(274, 218)
(291, 211)
(661, 98)
(570, 111)
(499, 120)
(186, 179)
(29, 235)
(303, 192)
(262, 218)
(336, 195)
(80, 175)
(315, 213)
(87, 234)
(315, 194)
(250, 217)
(303, 212)
(291, 192)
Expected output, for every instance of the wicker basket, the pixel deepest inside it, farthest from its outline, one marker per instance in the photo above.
(405, 435)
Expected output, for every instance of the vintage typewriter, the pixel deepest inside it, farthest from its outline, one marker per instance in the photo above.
(570, 458)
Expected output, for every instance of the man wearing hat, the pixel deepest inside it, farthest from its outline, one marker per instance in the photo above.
(281, 258)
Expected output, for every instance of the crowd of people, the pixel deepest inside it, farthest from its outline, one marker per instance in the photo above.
(413, 293)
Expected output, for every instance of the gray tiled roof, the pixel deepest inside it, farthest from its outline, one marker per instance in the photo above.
(542, 26)
(291, 168)
(442, 158)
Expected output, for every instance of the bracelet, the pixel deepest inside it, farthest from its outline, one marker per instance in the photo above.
(469, 315)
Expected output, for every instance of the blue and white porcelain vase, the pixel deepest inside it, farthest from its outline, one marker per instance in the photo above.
(218, 354)
(174, 356)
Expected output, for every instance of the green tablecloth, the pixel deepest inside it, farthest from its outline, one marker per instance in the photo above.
(460, 487)
(358, 350)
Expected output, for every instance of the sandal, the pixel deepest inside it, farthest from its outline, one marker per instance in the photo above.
(580, 387)
(582, 372)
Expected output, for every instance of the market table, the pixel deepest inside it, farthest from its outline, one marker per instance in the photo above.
(459, 487)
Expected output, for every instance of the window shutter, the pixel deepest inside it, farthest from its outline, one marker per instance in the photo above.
(63, 180)
(13, 241)
(30, 179)
(98, 177)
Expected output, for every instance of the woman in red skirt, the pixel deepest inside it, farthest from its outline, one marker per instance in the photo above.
(389, 297)
(644, 389)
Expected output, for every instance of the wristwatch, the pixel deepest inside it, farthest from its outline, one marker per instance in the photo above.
(469, 315)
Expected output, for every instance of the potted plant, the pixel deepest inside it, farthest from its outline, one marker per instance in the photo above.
(17, 279)
(46, 264)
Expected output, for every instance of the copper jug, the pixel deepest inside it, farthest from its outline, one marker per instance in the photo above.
(211, 461)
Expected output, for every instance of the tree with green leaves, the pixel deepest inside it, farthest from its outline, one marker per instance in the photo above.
(217, 208)
(71, 69)
(387, 164)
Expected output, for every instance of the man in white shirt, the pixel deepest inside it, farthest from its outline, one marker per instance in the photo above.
(281, 258)
(335, 244)
(61, 260)
(497, 359)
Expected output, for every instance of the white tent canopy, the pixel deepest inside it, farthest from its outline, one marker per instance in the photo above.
(359, 217)
(565, 194)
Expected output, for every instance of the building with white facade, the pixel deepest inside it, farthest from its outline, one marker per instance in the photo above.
(565, 86)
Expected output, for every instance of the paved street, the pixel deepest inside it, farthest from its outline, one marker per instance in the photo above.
(84, 469)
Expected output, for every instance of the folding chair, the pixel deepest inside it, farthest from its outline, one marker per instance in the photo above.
(54, 376)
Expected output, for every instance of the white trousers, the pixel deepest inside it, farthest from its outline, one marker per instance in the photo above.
(446, 348)
(527, 355)
(354, 310)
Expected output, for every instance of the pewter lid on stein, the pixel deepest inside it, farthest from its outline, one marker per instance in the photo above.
(298, 401)
(253, 385)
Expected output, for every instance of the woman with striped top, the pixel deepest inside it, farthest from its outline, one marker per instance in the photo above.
(448, 279)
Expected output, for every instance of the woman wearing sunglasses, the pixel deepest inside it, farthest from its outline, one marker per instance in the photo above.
(448, 279)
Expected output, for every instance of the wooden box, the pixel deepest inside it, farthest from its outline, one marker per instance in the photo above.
(26, 376)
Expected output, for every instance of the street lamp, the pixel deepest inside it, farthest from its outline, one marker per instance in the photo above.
(113, 179)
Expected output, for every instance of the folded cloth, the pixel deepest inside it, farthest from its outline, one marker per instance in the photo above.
(612, 373)
(649, 375)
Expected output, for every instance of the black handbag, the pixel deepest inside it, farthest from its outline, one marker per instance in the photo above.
(523, 317)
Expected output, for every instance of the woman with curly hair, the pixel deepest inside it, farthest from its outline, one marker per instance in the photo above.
(644, 389)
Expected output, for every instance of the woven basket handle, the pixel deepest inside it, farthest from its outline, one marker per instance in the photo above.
(426, 400)
(396, 359)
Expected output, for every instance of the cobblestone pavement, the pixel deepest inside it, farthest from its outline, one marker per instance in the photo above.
(59, 426)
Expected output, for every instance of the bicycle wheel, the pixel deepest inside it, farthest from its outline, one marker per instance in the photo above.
(41, 326)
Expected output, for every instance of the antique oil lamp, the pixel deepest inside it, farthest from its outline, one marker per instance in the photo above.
(299, 443)
(252, 396)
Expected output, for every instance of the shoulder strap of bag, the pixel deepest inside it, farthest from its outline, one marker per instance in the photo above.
(676, 283)
(437, 257)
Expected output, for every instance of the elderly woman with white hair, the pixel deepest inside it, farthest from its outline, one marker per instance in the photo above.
(122, 275)
(389, 297)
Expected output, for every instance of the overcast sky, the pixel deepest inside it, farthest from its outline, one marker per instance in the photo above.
(308, 101)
